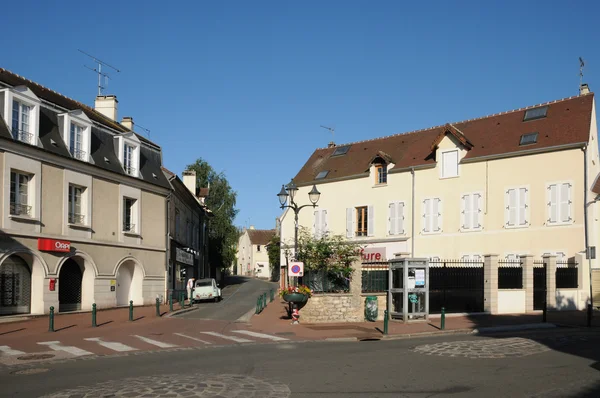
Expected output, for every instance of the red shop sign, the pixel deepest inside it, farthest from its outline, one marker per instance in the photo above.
(53, 245)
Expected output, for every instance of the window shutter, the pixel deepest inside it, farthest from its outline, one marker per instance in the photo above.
(476, 210)
(512, 207)
(463, 211)
(371, 221)
(316, 224)
(400, 218)
(477, 258)
(522, 206)
(565, 202)
(392, 219)
(427, 215)
(468, 203)
(324, 224)
(436, 215)
(349, 222)
(553, 203)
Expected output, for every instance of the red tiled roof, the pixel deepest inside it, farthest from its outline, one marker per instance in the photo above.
(567, 122)
(596, 185)
(261, 236)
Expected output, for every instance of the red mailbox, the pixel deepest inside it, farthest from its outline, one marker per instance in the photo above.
(52, 285)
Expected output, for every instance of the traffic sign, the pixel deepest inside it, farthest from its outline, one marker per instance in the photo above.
(296, 268)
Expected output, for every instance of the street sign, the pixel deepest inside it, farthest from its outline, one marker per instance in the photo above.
(296, 268)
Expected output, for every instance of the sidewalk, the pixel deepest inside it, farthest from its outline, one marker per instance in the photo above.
(273, 319)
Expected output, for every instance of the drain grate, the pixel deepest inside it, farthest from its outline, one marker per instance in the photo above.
(35, 357)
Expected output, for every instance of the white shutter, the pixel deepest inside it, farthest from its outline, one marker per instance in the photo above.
(468, 203)
(392, 219)
(565, 202)
(316, 224)
(371, 221)
(435, 215)
(349, 222)
(427, 215)
(523, 206)
(400, 218)
(463, 212)
(450, 164)
(553, 203)
(512, 207)
(476, 209)
(324, 222)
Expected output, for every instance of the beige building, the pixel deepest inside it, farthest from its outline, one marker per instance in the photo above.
(252, 255)
(514, 183)
(82, 211)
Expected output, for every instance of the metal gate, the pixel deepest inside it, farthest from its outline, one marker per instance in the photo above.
(69, 287)
(15, 286)
(539, 286)
(456, 285)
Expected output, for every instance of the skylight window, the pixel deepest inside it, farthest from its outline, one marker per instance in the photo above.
(535, 113)
(530, 138)
(322, 175)
(342, 150)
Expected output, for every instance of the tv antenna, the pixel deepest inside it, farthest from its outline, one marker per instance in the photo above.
(145, 129)
(581, 65)
(332, 129)
(98, 70)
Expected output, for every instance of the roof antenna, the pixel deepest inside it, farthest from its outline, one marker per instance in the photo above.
(332, 129)
(581, 65)
(145, 129)
(98, 70)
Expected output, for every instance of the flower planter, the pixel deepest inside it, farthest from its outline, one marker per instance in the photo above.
(295, 298)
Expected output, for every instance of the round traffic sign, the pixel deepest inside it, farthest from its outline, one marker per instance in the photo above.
(295, 269)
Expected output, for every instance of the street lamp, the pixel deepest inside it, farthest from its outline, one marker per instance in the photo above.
(290, 191)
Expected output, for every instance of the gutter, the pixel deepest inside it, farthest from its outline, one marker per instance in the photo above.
(168, 244)
(586, 223)
(577, 145)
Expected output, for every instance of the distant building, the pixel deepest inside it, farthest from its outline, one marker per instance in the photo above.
(252, 255)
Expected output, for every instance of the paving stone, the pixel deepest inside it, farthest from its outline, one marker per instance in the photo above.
(484, 348)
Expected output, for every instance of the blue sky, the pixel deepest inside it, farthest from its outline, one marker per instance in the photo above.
(245, 85)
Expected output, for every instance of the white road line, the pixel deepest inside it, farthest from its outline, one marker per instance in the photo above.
(260, 335)
(191, 338)
(112, 345)
(155, 342)
(233, 338)
(6, 350)
(56, 346)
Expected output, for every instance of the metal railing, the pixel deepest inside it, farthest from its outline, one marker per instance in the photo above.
(510, 274)
(323, 281)
(456, 285)
(79, 154)
(75, 218)
(567, 275)
(18, 209)
(375, 276)
(23, 136)
(128, 227)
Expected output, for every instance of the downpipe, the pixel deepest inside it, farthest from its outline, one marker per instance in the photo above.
(590, 307)
(412, 240)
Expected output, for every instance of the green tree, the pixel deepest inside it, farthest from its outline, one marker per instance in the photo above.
(274, 252)
(221, 200)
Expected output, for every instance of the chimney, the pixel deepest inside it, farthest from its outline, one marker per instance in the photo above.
(331, 144)
(251, 226)
(127, 122)
(107, 105)
(584, 89)
(189, 180)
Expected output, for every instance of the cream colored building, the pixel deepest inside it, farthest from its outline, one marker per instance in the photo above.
(510, 184)
(252, 255)
(83, 205)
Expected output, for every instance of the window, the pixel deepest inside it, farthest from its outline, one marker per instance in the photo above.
(432, 215)
(177, 223)
(21, 122)
(76, 142)
(341, 150)
(128, 215)
(320, 223)
(75, 209)
(535, 113)
(257, 248)
(560, 256)
(450, 164)
(527, 139)
(396, 218)
(188, 231)
(471, 211)
(322, 175)
(517, 208)
(361, 221)
(381, 176)
(19, 194)
(513, 257)
(559, 203)
(475, 258)
(128, 160)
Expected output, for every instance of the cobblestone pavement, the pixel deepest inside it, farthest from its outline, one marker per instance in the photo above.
(194, 385)
(487, 348)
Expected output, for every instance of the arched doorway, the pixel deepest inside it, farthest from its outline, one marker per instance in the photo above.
(129, 283)
(69, 286)
(15, 286)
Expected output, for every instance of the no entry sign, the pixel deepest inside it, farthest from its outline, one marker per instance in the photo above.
(296, 268)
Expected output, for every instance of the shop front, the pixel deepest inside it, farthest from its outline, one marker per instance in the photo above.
(182, 270)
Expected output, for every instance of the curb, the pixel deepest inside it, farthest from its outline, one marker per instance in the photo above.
(427, 334)
(246, 317)
(514, 328)
(179, 312)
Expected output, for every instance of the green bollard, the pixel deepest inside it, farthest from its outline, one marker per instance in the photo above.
(170, 301)
(182, 300)
(51, 318)
(131, 310)
(385, 322)
(443, 321)
(265, 300)
(272, 295)
(157, 306)
(94, 315)
(257, 306)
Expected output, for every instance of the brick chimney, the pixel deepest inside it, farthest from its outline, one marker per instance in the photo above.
(107, 105)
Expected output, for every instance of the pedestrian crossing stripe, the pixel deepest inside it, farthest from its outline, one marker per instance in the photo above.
(115, 346)
(260, 335)
(232, 338)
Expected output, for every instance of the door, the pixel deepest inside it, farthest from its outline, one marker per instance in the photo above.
(124, 278)
(69, 286)
(15, 286)
(539, 287)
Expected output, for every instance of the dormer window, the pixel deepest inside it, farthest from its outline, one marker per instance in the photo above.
(76, 129)
(21, 128)
(20, 110)
(128, 159)
(128, 147)
(381, 175)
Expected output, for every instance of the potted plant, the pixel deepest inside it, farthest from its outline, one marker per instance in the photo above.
(298, 295)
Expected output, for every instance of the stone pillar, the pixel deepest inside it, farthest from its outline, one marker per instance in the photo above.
(356, 291)
(527, 265)
(490, 287)
(550, 264)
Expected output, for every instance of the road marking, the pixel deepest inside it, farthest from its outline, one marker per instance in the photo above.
(56, 346)
(191, 338)
(233, 338)
(112, 345)
(155, 342)
(260, 335)
(6, 350)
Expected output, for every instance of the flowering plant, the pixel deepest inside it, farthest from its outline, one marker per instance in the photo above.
(302, 289)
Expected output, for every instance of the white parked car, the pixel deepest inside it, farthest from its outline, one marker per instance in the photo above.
(206, 289)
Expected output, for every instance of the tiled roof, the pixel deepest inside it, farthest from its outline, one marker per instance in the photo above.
(260, 236)
(567, 122)
(596, 185)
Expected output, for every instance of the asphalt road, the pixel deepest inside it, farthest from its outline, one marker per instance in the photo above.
(543, 364)
(239, 297)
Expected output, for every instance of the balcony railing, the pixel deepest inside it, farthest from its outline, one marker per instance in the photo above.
(128, 227)
(18, 209)
(75, 218)
(131, 171)
(79, 154)
(23, 136)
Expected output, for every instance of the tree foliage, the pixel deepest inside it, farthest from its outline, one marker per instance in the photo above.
(221, 200)
(274, 252)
